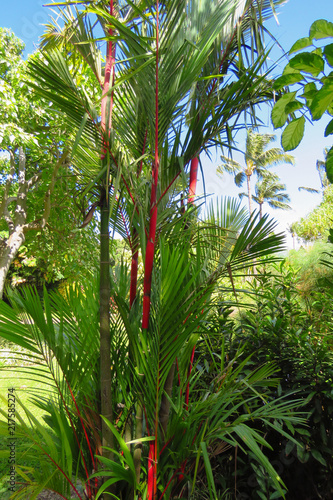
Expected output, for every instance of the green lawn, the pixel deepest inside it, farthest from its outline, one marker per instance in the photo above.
(23, 385)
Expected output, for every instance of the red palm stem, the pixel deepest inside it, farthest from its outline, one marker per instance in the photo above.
(193, 179)
(149, 261)
(150, 249)
(109, 77)
(83, 426)
(74, 430)
(188, 379)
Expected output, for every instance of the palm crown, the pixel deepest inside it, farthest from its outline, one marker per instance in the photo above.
(257, 160)
(269, 189)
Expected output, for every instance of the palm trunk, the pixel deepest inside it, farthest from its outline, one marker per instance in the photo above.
(260, 210)
(105, 338)
(150, 248)
(134, 270)
(248, 178)
(106, 113)
(138, 435)
(193, 179)
(148, 271)
(165, 403)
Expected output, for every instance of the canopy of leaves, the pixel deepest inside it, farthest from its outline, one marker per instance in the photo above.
(309, 74)
(30, 122)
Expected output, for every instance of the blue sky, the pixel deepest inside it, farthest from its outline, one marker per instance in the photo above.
(26, 17)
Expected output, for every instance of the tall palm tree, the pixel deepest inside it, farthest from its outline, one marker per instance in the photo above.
(269, 189)
(257, 160)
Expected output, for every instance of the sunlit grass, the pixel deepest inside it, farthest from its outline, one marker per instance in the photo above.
(11, 377)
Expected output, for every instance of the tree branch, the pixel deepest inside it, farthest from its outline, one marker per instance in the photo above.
(21, 205)
(8, 217)
(41, 223)
(33, 180)
(4, 202)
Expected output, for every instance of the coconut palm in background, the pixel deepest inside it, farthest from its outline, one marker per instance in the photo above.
(257, 159)
(175, 82)
(269, 189)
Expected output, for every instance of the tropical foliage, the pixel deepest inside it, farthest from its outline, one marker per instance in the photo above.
(316, 225)
(308, 73)
(128, 409)
(291, 323)
(38, 208)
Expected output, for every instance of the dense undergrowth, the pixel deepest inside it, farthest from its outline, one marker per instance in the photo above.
(278, 320)
(288, 321)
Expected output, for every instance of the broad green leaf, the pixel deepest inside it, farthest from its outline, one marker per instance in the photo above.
(287, 70)
(293, 134)
(321, 29)
(329, 165)
(310, 90)
(329, 129)
(293, 106)
(328, 54)
(300, 44)
(302, 454)
(318, 456)
(276, 494)
(308, 62)
(288, 79)
(303, 432)
(322, 100)
(279, 115)
(289, 447)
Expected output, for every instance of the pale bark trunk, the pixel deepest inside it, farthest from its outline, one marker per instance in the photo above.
(16, 238)
(17, 223)
(248, 178)
(9, 250)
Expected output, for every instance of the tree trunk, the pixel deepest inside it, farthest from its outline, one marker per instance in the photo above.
(138, 435)
(248, 178)
(165, 403)
(8, 252)
(17, 225)
(193, 179)
(105, 338)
